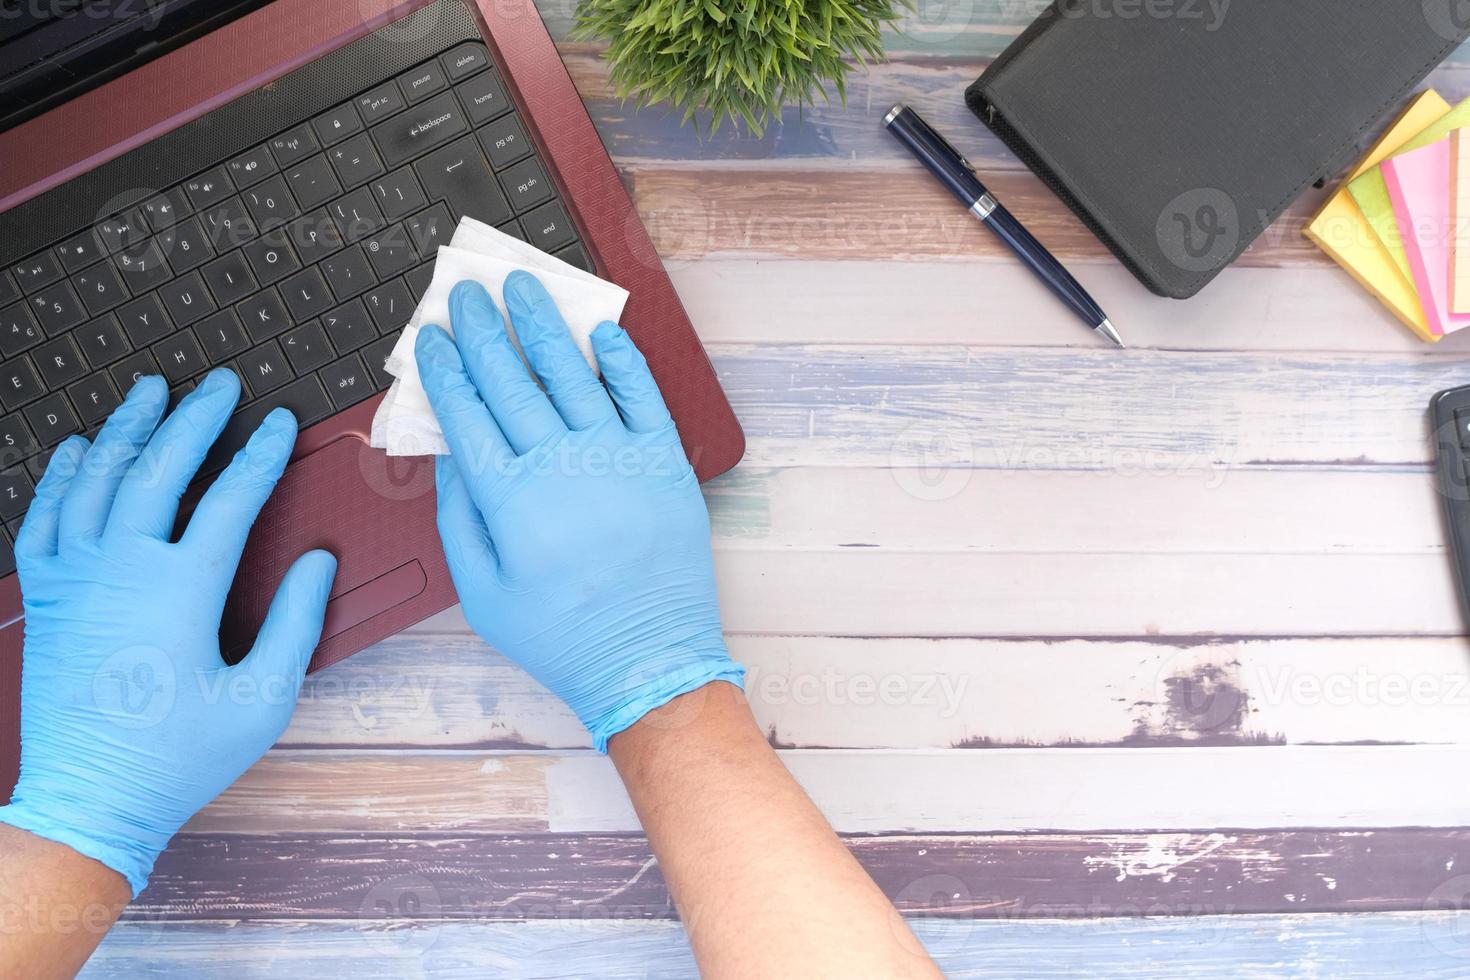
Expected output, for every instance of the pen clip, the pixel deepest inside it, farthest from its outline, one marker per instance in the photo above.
(942, 141)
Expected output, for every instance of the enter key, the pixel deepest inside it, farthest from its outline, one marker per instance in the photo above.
(459, 175)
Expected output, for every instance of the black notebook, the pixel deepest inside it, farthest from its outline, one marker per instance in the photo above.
(1179, 130)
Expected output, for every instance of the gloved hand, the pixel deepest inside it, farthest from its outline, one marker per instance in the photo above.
(130, 720)
(574, 527)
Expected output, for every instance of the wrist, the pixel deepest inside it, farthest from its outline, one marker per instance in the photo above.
(653, 688)
(714, 717)
(90, 830)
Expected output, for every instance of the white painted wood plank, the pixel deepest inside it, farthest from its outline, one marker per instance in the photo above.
(1085, 789)
(1124, 411)
(985, 303)
(872, 592)
(934, 791)
(448, 689)
(1192, 511)
(1256, 947)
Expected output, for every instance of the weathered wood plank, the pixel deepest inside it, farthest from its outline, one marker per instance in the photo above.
(1002, 876)
(448, 690)
(1091, 409)
(296, 791)
(1345, 947)
(993, 303)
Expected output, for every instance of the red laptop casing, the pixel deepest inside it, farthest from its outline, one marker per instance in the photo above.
(375, 513)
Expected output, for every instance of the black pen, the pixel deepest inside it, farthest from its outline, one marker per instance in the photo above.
(956, 173)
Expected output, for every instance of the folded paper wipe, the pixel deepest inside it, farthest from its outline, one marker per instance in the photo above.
(404, 424)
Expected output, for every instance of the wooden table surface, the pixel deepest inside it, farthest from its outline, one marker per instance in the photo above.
(1058, 636)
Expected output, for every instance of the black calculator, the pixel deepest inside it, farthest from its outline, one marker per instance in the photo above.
(1449, 413)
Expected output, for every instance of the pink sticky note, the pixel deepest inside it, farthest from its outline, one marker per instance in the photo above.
(1419, 186)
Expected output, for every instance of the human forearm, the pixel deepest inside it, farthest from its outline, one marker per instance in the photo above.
(55, 906)
(764, 886)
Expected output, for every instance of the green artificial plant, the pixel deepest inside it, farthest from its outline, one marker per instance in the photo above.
(739, 59)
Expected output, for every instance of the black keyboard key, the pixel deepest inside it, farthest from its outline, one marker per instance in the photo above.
(37, 271)
(271, 258)
(526, 184)
(185, 245)
(18, 329)
(179, 356)
(186, 299)
(348, 272)
(294, 146)
(314, 236)
(57, 308)
(356, 161)
(7, 555)
(306, 400)
(263, 315)
(125, 373)
(513, 229)
(264, 368)
(576, 255)
(101, 340)
(270, 203)
(313, 182)
(380, 103)
(306, 295)
(95, 396)
(398, 194)
(125, 230)
(306, 348)
(144, 320)
(16, 441)
(18, 382)
(252, 166)
(390, 306)
(484, 98)
(229, 278)
(229, 225)
(430, 229)
(100, 287)
(210, 189)
(347, 381)
(80, 251)
(164, 210)
(419, 279)
(548, 227)
(336, 125)
(420, 129)
(52, 420)
(465, 60)
(459, 175)
(375, 356)
(349, 327)
(221, 336)
(504, 141)
(9, 291)
(59, 362)
(16, 492)
(419, 83)
(391, 252)
(143, 267)
(356, 215)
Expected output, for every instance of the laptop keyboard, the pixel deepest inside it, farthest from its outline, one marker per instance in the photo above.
(295, 263)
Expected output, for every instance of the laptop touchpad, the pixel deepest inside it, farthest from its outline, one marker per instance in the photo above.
(374, 512)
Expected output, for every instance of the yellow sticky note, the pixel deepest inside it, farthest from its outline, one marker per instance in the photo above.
(1341, 230)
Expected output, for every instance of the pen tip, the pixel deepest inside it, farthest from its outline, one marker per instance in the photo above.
(1109, 331)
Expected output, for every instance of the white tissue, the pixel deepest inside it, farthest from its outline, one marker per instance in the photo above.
(404, 424)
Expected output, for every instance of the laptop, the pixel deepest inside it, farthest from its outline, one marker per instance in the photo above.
(186, 184)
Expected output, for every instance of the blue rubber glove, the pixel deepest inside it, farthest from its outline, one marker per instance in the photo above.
(130, 720)
(574, 526)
